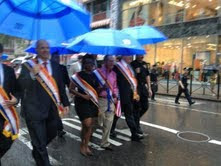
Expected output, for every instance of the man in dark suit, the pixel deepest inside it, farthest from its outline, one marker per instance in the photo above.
(38, 107)
(56, 58)
(127, 100)
(8, 83)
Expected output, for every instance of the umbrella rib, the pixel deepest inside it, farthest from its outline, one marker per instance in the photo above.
(12, 10)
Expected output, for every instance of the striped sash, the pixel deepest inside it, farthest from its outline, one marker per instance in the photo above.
(85, 87)
(129, 75)
(11, 125)
(104, 82)
(47, 82)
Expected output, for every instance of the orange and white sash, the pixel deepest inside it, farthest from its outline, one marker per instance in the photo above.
(47, 82)
(11, 125)
(87, 88)
(129, 75)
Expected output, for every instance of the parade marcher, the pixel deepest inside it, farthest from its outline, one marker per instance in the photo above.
(154, 83)
(183, 87)
(107, 98)
(8, 116)
(84, 86)
(56, 58)
(143, 88)
(127, 85)
(43, 98)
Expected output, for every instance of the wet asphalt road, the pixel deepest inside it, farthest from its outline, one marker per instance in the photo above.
(161, 147)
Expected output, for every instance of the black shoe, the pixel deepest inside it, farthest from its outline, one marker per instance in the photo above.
(136, 138)
(139, 131)
(177, 102)
(61, 133)
(192, 103)
(107, 148)
(113, 134)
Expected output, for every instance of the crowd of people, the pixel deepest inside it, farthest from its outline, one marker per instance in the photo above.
(100, 94)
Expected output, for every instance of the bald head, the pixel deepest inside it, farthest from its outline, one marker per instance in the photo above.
(42, 49)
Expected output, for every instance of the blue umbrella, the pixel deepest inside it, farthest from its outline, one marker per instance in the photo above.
(107, 42)
(146, 34)
(54, 47)
(43, 19)
(4, 57)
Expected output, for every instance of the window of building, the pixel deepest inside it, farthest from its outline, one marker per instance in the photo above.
(99, 6)
(198, 9)
(174, 11)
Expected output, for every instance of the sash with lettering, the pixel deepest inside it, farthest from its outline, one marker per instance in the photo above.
(47, 82)
(85, 87)
(129, 75)
(104, 82)
(11, 125)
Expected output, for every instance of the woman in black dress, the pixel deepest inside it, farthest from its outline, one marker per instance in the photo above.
(85, 108)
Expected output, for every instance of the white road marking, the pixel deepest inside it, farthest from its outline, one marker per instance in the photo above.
(185, 108)
(25, 141)
(77, 138)
(94, 134)
(215, 142)
(172, 101)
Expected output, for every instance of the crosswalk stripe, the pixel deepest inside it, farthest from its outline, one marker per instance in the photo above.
(25, 141)
(94, 134)
(77, 138)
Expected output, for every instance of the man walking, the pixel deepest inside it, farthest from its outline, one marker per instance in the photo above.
(43, 98)
(183, 88)
(107, 98)
(143, 88)
(8, 116)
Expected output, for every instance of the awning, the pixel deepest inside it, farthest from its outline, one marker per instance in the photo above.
(100, 23)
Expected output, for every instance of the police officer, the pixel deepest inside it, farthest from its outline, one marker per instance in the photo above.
(183, 87)
(144, 88)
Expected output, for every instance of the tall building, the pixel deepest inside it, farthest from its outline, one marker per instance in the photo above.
(192, 26)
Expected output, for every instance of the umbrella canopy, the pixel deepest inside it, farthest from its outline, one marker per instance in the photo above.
(145, 34)
(43, 19)
(54, 47)
(107, 42)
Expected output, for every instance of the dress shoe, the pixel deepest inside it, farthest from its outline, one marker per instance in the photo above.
(192, 103)
(136, 138)
(177, 102)
(139, 131)
(113, 134)
(61, 133)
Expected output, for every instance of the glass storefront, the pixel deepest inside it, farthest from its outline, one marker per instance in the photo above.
(162, 12)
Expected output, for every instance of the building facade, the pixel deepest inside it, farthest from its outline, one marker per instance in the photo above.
(192, 26)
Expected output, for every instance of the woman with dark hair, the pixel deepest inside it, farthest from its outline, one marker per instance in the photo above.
(84, 86)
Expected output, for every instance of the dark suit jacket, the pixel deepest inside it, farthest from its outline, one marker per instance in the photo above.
(9, 86)
(126, 92)
(36, 103)
(65, 75)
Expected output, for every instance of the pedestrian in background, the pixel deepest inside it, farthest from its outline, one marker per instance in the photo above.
(154, 83)
(183, 87)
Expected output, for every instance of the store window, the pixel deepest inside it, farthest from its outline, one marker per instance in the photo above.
(150, 54)
(168, 56)
(174, 11)
(199, 54)
(100, 10)
(199, 9)
(156, 13)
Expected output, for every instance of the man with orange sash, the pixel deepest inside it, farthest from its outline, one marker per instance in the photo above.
(127, 85)
(8, 116)
(107, 98)
(43, 99)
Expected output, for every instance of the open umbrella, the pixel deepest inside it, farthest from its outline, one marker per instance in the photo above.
(43, 19)
(54, 47)
(145, 34)
(106, 42)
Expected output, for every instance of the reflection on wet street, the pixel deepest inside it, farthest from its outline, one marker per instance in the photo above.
(162, 124)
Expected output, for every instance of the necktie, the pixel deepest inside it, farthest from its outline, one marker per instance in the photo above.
(45, 65)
